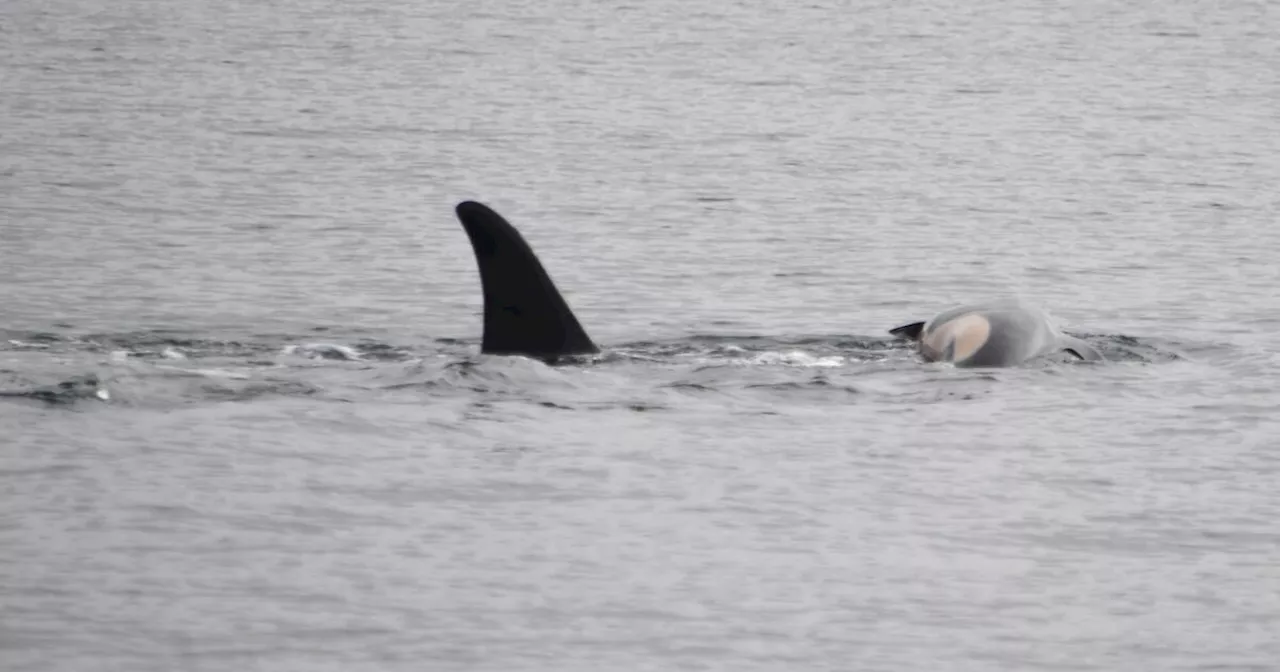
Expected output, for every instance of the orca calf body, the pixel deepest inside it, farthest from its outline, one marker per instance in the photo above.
(524, 313)
(1001, 333)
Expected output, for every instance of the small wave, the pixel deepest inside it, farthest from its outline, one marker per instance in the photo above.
(690, 386)
(174, 345)
(798, 358)
(815, 383)
(800, 351)
(330, 351)
(222, 374)
(162, 344)
(1122, 348)
(23, 345)
(66, 392)
(257, 389)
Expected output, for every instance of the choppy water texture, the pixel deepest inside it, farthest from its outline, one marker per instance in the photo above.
(244, 423)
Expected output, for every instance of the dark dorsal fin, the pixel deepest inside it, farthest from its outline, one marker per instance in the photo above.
(910, 332)
(524, 313)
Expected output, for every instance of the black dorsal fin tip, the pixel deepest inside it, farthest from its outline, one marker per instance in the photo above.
(524, 313)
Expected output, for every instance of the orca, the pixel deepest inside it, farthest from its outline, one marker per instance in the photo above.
(524, 313)
(996, 334)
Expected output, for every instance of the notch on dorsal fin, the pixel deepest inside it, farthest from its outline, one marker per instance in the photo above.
(524, 313)
(911, 332)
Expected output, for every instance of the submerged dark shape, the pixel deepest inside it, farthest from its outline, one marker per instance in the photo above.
(524, 313)
(1000, 333)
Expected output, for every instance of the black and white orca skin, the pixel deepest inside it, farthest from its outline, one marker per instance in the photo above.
(1000, 333)
(524, 313)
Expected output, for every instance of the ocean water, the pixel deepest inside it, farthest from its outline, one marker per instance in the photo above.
(244, 422)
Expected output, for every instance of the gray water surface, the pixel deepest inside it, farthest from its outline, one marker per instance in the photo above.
(244, 422)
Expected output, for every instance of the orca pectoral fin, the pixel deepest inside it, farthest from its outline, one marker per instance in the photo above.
(910, 332)
(1082, 350)
(524, 313)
